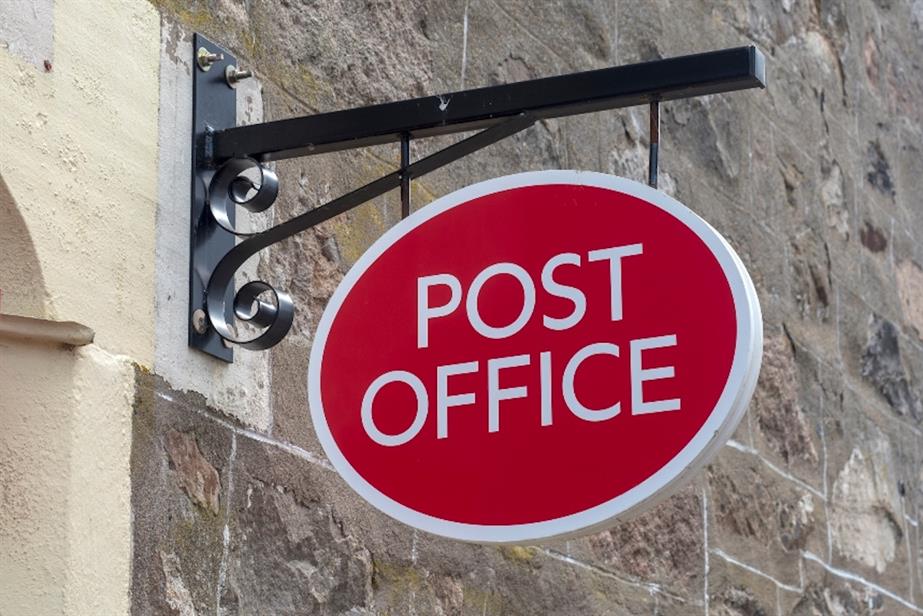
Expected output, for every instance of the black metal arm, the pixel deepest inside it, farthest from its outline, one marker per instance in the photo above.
(551, 97)
(222, 154)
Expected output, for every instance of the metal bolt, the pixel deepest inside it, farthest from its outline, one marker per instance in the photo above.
(205, 58)
(234, 75)
(199, 321)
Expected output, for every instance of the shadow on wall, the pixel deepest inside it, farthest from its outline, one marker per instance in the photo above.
(21, 282)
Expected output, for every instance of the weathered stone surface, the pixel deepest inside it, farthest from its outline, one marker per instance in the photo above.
(776, 408)
(718, 161)
(869, 455)
(872, 237)
(291, 557)
(663, 546)
(910, 289)
(741, 506)
(291, 414)
(789, 410)
(300, 543)
(866, 518)
(176, 594)
(842, 599)
(883, 367)
(878, 170)
(826, 593)
(908, 171)
(874, 352)
(812, 282)
(757, 517)
(832, 196)
(178, 542)
(735, 591)
(199, 479)
(833, 212)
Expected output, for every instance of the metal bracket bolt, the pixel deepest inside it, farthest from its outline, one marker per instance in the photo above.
(205, 58)
(234, 75)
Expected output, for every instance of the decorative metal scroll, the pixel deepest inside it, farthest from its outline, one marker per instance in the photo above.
(229, 187)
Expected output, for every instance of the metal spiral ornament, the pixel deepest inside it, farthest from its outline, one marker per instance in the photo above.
(227, 189)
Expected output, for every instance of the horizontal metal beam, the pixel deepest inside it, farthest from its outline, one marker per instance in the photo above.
(609, 88)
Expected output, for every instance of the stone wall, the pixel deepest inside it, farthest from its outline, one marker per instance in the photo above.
(814, 505)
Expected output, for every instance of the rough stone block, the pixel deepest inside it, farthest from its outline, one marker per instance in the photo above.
(837, 592)
(27, 31)
(555, 21)
(768, 197)
(787, 410)
(909, 278)
(197, 476)
(908, 173)
(887, 61)
(291, 414)
(883, 365)
(790, 103)
(288, 551)
(389, 55)
(501, 47)
(179, 511)
(761, 518)
(866, 475)
(736, 590)
(720, 158)
(881, 361)
(662, 547)
(300, 542)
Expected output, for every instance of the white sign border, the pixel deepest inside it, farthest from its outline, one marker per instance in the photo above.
(698, 452)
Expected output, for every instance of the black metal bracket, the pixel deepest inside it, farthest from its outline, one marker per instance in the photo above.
(226, 158)
(214, 107)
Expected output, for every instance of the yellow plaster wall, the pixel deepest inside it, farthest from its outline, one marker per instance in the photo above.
(78, 169)
(78, 156)
(65, 519)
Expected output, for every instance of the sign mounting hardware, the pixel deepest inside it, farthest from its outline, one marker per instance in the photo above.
(225, 155)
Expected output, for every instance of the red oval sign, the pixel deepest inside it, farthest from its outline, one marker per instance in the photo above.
(531, 356)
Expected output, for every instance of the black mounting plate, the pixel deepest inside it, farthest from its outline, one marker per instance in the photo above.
(214, 107)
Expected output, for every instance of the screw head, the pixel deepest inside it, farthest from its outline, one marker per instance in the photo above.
(234, 75)
(199, 321)
(205, 58)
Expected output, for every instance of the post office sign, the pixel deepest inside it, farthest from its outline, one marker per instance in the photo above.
(534, 356)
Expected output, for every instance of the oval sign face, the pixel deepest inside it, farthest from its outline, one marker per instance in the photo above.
(534, 355)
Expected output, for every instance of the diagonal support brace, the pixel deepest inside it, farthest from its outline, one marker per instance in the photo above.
(277, 317)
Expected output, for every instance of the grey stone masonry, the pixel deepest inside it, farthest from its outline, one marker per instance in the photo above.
(813, 507)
